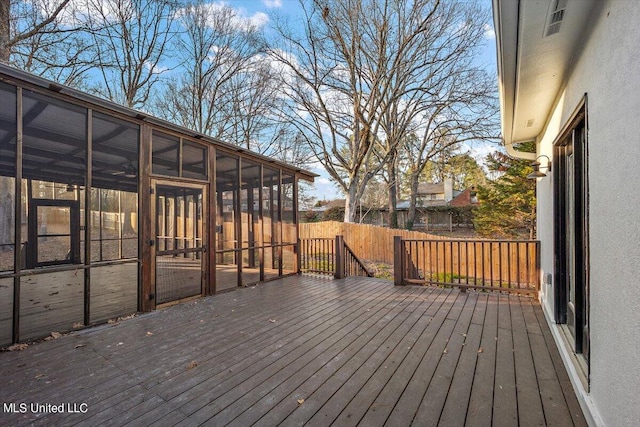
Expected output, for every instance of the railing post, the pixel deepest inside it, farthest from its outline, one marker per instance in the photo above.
(299, 255)
(339, 265)
(398, 258)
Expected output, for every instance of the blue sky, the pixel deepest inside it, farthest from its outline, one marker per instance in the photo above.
(259, 10)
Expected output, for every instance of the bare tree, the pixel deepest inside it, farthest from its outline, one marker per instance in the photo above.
(130, 38)
(39, 15)
(445, 97)
(61, 50)
(41, 37)
(368, 73)
(214, 47)
(336, 88)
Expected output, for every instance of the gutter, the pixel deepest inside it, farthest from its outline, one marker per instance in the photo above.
(513, 152)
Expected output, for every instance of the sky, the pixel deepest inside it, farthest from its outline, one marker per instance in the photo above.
(323, 188)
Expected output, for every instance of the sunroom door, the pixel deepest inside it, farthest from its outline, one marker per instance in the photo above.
(180, 224)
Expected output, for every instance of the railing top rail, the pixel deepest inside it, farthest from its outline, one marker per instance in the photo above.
(318, 238)
(471, 240)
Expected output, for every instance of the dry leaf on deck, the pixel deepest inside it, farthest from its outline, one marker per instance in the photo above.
(192, 365)
(300, 401)
(17, 347)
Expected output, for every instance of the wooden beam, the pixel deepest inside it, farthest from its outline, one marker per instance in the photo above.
(146, 294)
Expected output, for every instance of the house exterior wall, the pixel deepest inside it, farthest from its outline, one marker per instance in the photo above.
(607, 70)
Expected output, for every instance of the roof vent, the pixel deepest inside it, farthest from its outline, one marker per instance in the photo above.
(556, 15)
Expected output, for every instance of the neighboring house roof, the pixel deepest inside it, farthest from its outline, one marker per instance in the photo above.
(427, 188)
(328, 204)
(536, 45)
(466, 198)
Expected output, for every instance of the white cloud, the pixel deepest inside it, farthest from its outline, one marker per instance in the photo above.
(155, 69)
(489, 32)
(322, 180)
(238, 17)
(85, 11)
(272, 4)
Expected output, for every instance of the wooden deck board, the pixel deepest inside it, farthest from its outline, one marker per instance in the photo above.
(505, 408)
(311, 358)
(436, 394)
(380, 393)
(405, 409)
(358, 351)
(339, 369)
(329, 392)
(480, 409)
(530, 411)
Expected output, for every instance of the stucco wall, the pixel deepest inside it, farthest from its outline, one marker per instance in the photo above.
(608, 71)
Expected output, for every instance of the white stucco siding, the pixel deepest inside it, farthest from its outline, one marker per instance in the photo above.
(608, 71)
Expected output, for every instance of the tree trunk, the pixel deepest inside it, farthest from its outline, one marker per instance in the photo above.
(5, 30)
(393, 193)
(351, 203)
(6, 213)
(411, 216)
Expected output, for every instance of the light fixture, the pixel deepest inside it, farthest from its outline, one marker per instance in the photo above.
(537, 166)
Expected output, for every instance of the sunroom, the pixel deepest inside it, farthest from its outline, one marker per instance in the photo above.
(106, 211)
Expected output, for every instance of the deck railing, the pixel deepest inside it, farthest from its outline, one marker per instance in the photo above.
(497, 265)
(331, 256)
(352, 266)
(317, 255)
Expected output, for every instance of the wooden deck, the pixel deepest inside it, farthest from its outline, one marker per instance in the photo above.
(305, 350)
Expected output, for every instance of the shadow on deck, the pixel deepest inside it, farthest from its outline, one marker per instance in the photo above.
(304, 350)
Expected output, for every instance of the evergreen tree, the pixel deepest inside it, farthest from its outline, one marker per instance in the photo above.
(507, 202)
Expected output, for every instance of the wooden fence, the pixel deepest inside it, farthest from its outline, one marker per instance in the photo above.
(370, 242)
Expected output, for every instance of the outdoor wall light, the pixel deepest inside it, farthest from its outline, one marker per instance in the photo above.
(537, 166)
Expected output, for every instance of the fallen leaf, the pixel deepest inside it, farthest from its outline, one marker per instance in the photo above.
(149, 333)
(192, 365)
(464, 335)
(111, 321)
(120, 343)
(300, 401)
(17, 347)
(272, 320)
(480, 350)
(445, 351)
(78, 325)
(55, 335)
(40, 376)
(80, 345)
